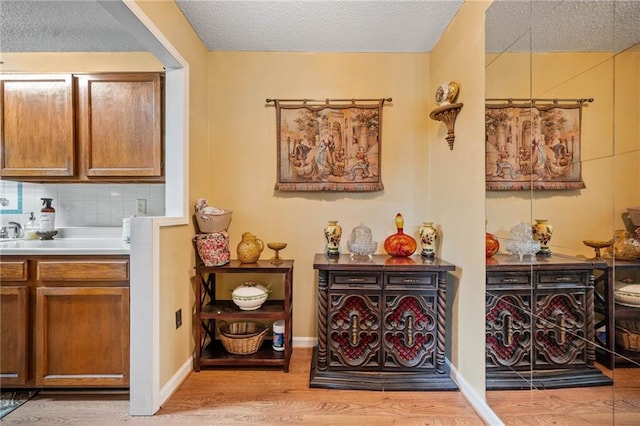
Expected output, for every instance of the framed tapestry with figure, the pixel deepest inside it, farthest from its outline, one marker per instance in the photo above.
(534, 144)
(330, 145)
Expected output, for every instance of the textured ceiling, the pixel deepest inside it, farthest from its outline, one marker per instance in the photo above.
(328, 25)
(320, 26)
(562, 26)
(61, 26)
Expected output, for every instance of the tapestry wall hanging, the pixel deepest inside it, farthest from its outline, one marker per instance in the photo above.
(329, 145)
(533, 144)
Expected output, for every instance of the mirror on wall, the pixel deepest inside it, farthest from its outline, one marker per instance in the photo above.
(552, 57)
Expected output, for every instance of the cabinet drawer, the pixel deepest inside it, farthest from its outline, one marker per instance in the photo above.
(83, 270)
(512, 280)
(554, 279)
(14, 271)
(351, 280)
(411, 281)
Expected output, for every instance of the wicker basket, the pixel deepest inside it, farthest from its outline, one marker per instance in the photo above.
(243, 337)
(211, 223)
(628, 335)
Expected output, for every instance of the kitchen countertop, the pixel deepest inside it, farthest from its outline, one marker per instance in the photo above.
(70, 241)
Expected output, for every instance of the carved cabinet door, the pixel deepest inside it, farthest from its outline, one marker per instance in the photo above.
(508, 329)
(560, 328)
(353, 330)
(410, 330)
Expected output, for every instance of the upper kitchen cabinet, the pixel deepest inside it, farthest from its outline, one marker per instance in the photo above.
(120, 125)
(103, 127)
(37, 132)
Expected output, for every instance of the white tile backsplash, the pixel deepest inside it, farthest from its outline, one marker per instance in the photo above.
(89, 204)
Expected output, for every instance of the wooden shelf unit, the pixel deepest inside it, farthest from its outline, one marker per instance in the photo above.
(209, 350)
(610, 354)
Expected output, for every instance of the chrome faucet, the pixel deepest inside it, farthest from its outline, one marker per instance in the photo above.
(17, 230)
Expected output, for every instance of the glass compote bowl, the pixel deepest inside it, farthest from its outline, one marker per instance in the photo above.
(597, 245)
(276, 247)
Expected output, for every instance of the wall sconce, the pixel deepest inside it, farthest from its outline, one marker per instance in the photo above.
(448, 110)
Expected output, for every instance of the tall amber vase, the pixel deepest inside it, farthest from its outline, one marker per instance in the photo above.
(400, 244)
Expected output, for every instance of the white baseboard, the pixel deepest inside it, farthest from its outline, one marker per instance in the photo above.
(478, 403)
(176, 380)
(304, 342)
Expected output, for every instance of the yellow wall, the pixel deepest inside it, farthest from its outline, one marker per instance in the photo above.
(243, 161)
(627, 129)
(176, 250)
(69, 62)
(456, 185)
(574, 76)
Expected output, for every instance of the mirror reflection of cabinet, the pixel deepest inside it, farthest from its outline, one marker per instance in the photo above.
(532, 54)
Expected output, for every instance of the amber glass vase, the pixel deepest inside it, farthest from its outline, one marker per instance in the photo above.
(400, 244)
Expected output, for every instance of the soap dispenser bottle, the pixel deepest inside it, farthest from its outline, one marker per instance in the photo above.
(47, 216)
(30, 228)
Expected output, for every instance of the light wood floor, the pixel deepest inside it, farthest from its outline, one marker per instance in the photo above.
(603, 405)
(271, 397)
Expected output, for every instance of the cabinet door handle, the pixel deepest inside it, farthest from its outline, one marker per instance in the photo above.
(410, 281)
(356, 280)
(408, 338)
(508, 323)
(509, 280)
(354, 330)
(561, 323)
(564, 279)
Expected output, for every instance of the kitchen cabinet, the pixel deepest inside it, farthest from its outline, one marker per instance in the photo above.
(37, 126)
(103, 127)
(608, 353)
(77, 324)
(540, 323)
(381, 323)
(14, 322)
(120, 125)
(210, 309)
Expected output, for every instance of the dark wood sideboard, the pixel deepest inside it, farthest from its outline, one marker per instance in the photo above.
(540, 323)
(381, 323)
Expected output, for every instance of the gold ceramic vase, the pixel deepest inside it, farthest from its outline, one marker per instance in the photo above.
(250, 248)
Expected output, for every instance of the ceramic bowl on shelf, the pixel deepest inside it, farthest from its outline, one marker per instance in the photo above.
(627, 293)
(249, 296)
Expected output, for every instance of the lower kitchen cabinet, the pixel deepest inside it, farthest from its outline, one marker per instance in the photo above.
(381, 323)
(540, 323)
(66, 324)
(82, 336)
(14, 326)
